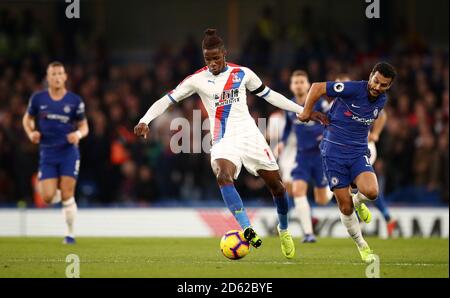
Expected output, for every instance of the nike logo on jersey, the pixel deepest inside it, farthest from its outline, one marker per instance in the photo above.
(43, 107)
(357, 107)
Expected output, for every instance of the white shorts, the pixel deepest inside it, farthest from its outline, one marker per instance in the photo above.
(251, 151)
(286, 160)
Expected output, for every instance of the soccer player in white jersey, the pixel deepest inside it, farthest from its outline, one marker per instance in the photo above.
(236, 140)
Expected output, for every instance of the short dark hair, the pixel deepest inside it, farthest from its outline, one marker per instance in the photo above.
(212, 40)
(55, 64)
(385, 69)
(299, 72)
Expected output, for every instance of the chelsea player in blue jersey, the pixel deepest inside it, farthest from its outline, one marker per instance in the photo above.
(61, 121)
(374, 136)
(308, 162)
(344, 147)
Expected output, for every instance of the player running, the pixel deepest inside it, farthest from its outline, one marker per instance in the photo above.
(344, 147)
(236, 140)
(61, 121)
(374, 136)
(308, 162)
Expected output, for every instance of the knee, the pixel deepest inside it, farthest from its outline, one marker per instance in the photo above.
(298, 191)
(346, 209)
(224, 178)
(67, 194)
(371, 193)
(47, 195)
(321, 200)
(277, 189)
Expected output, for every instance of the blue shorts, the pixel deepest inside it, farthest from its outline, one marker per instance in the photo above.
(57, 162)
(309, 167)
(342, 172)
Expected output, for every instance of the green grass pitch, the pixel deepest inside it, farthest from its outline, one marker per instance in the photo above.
(201, 257)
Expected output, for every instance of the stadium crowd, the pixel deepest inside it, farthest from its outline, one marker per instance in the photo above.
(118, 168)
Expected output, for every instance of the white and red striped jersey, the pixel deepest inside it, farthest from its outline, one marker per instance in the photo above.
(224, 97)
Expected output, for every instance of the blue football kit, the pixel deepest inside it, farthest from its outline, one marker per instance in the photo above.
(344, 147)
(55, 120)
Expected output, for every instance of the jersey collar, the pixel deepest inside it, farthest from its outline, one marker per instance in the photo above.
(223, 70)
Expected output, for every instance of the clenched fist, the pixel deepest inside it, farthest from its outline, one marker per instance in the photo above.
(35, 137)
(141, 130)
(315, 116)
(73, 138)
(373, 137)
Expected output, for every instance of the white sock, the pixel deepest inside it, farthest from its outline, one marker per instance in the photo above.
(329, 194)
(69, 209)
(353, 228)
(304, 213)
(56, 198)
(359, 198)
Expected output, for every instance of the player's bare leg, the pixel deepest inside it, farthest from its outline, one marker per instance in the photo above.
(48, 189)
(322, 195)
(280, 197)
(289, 188)
(303, 210)
(367, 185)
(224, 171)
(69, 206)
(351, 223)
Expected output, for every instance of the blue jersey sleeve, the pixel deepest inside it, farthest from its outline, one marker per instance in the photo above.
(80, 112)
(33, 108)
(287, 128)
(342, 89)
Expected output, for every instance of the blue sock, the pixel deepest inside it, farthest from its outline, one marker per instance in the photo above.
(380, 203)
(234, 202)
(282, 210)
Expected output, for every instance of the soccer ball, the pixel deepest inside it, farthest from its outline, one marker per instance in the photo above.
(233, 245)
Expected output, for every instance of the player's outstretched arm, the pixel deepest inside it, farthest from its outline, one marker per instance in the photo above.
(280, 101)
(30, 128)
(156, 109)
(256, 87)
(315, 92)
(185, 89)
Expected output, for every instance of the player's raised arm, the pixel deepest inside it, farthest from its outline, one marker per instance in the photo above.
(256, 87)
(183, 90)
